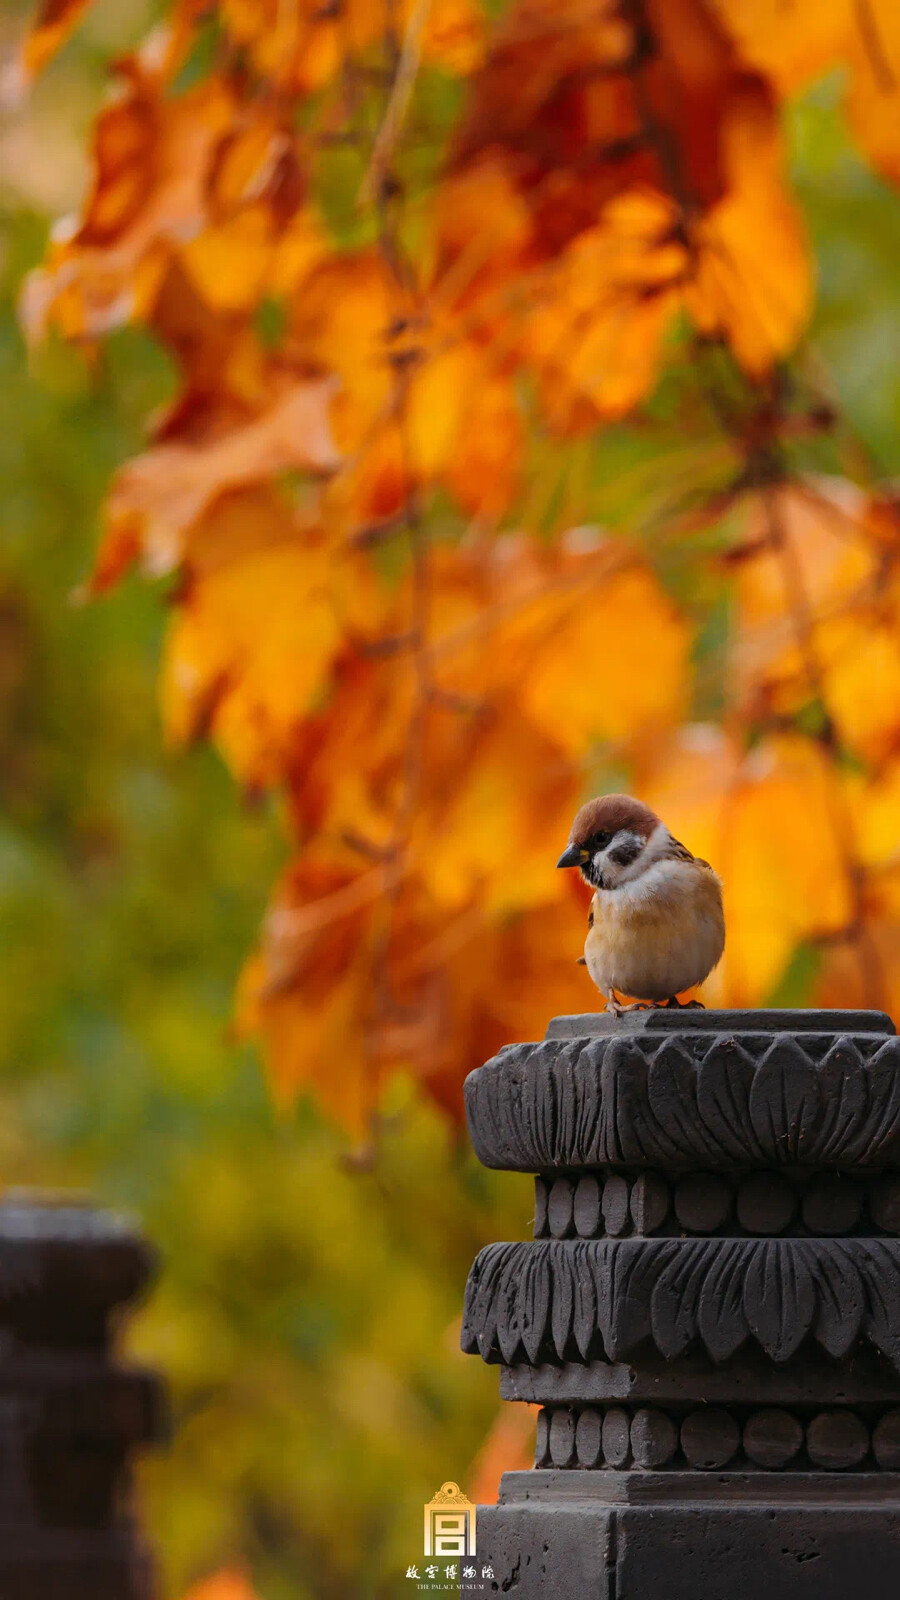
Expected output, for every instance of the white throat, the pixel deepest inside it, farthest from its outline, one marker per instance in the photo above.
(656, 846)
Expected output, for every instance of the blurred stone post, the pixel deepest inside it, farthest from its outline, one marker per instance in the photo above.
(709, 1313)
(71, 1416)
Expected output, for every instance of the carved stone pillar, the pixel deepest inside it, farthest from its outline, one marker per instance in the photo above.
(71, 1417)
(709, 1312)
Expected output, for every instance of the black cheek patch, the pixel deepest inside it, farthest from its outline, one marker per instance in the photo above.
(626, 852)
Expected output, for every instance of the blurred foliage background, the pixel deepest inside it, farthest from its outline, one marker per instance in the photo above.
(307, 1314)
(307, 1317)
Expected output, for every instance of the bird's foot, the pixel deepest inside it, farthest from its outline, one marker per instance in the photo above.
(682, 1005)
(619, 1010)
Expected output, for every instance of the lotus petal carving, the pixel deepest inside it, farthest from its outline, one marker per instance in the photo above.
(694, 1100)
(555, 1300)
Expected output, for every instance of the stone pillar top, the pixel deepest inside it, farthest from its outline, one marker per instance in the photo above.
(687, 1019)
(65, 1269)
(707, 1090)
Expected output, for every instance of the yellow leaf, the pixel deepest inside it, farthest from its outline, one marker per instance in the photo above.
(298, 249)
(794, 43)
(340, 322)
(596, 332)
(484, 832)
(862, 683)
(248, 654)
(229, 263)
(878, 819)
(753, 280)
(864, 971)
(482, 229)
(808, 564)
(873, 98)
(613, 667)
(789, 40)
(148, 196)
(160, 495)
(436, 407)
(453, 36)
(49, 30)
(773, 824)
(483, 469)
(785, 871)
(225, 1585)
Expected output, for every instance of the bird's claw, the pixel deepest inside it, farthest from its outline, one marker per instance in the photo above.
(616, 1008)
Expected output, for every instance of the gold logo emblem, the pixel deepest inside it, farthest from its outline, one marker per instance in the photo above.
(449, 1523)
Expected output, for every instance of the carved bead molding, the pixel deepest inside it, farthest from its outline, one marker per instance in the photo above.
(560, 1300)
(682, 1099)
(709, 1438)
(595, 1206)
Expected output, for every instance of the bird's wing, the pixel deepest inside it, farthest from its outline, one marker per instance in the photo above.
(680, 852)
(581, 962)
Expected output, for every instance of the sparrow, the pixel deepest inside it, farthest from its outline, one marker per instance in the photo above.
(656, 925)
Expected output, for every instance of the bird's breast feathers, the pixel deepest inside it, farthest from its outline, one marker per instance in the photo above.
(660, 934)
(670, 887)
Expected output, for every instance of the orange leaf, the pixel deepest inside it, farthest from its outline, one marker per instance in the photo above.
(753, 281)
(225, 1585)
(486, 815)
(794, 43)
(807, 564)
(508, 1447)
(483, 469)
(615, 665)
(864, 972)
(454, 35)
(249, 653)
(160, 495)
(50, 29)
(817, 622)
(873, 99)
(790, 41)
(773, 825)
(150, 160)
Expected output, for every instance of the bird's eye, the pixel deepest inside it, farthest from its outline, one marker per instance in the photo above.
(601, 840)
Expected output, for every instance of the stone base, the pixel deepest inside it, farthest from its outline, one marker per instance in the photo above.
(130, 1578)
(694, 1536)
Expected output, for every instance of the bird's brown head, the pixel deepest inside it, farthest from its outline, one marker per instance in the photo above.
(610, 840)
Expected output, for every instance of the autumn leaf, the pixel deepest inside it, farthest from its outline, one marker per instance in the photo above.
(504, 460)
(413, 325)
(818, 615)
(224, 1585)
(50, 29)
(752, 283)
(150, 160)
(508, 1447)
(788, 40)
(249, 653)
(773, 822)
(585, 687)
(157, 498)
(680, 232)
(873, 99)
(489, 819)
(806, 563)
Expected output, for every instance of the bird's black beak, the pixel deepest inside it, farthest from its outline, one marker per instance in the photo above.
(572, 856)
